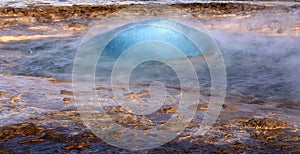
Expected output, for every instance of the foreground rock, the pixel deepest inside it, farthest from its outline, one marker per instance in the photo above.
(264, 128)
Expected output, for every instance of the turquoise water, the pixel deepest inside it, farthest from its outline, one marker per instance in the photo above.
(142, 33)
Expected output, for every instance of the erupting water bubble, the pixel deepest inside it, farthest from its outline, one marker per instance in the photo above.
(160, 30)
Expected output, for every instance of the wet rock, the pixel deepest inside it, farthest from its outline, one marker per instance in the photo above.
(253, 101)
(58, 81)
(6, 152)
(113, 109)
(208, 139)
(28, 129)
(100, 89)
(75, 27)
(56, 135)
(237, 146)
(68, 100)
(79, 147)
(25, 129)
(168, 109)
(280, 31)
(6, 132)
(185, 137)
(135, 95)
(66, 92)
(202, 107)
(230, 107)
(130, 120)
(31, 141)
(13, 99)
(77, 141)
(266, 124)
(276, 136)
(242, 118)
(46, 14)
(38, 135)
(289, 105)
(219, 8)
(3, 94)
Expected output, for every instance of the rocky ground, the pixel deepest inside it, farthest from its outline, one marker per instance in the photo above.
(245, 124)
(75, 17)
(38, 114)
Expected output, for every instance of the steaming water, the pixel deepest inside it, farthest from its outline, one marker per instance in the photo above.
(256, 65)
(262, 66)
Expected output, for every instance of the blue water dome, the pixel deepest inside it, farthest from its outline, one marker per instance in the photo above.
(161, 30)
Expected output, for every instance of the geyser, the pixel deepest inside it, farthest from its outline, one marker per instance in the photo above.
(161, 30)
